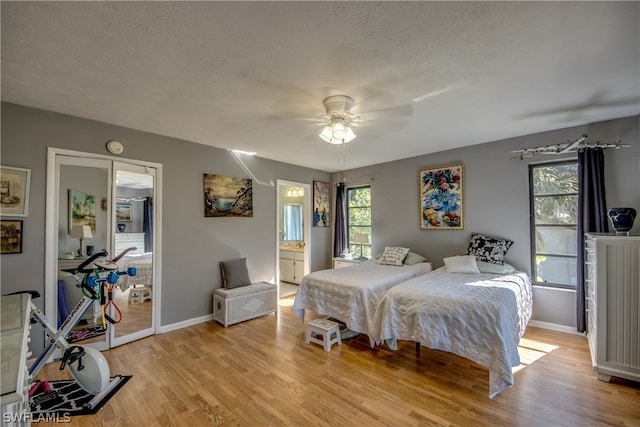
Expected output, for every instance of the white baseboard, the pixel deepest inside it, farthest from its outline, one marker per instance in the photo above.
(555, 327)
(185, 323)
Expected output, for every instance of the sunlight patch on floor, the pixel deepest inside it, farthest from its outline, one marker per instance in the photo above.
(286, 302)
(530, 351)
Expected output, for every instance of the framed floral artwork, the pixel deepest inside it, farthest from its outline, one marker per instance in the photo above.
(320, 204)
(14, 191)
(441, 198)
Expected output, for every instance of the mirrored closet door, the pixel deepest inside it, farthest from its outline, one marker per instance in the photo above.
(94, 204)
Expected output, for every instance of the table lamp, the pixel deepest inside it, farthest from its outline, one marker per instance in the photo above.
(361, 238)
(81, 232)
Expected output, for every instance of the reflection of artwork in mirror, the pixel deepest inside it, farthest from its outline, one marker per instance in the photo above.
(123, 212)
(227, 196)
(14, 191)
(11, 236)
(82, 210)
(293, 222)
(320, 204)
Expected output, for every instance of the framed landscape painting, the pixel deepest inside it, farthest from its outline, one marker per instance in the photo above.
(82, 210)
(14, 191)
(441, 198)
(320, 204)
(227, 196)
(123, 212)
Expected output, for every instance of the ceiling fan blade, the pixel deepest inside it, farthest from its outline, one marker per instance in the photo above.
(593, 103)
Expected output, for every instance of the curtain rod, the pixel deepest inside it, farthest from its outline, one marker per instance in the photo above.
(566, 147)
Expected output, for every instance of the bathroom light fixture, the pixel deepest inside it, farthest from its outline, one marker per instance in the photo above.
(295, 192)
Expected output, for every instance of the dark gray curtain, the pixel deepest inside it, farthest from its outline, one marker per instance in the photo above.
(592, 216)
(147, 224)
(340, 240)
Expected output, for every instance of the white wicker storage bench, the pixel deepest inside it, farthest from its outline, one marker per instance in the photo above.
(236, 305)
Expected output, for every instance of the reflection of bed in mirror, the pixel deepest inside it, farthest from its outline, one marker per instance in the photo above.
(143, 264)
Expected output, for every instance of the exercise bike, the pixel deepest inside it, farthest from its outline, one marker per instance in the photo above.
(87, 366)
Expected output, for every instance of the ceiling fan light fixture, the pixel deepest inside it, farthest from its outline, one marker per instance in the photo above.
(337, 132)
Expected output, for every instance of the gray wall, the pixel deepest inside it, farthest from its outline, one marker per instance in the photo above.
(496, 198)
(496, 203)
(192, 244)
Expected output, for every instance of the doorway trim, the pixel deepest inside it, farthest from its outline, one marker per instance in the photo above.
(308, 223)
(51, 228)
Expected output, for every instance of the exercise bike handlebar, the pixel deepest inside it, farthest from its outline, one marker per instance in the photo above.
(82, 268)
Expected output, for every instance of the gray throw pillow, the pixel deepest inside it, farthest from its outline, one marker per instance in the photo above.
(234, 273)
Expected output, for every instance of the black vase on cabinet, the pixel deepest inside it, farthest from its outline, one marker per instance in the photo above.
(122, 227)
(622, 219)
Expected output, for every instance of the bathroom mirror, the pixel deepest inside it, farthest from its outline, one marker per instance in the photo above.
(292, 223)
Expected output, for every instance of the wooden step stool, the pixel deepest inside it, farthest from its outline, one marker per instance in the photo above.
(326, 329)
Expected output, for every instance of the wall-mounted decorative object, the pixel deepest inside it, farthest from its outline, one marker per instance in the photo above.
(11, 236)
(441, 198)
(123, 212)
(14, 191)
(82, 210)
(227, 196)
(320, 204)
(103, 204)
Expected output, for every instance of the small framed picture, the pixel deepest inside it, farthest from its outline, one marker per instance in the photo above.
(123, 212)
(14, 191)
(11, 236)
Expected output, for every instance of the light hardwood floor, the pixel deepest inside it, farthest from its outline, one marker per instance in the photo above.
(261, 373)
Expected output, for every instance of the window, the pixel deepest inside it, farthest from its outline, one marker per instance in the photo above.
(359, 219)
(554, 208)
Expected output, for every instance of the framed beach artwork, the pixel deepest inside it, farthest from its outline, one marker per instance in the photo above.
(320, 204)
(11, 236)
(227, 196)
(123, 212)
(82, 210)
(14, 191)
(441, 198)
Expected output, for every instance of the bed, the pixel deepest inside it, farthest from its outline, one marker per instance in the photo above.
(143, 264)
(480, 316)
(351, 294)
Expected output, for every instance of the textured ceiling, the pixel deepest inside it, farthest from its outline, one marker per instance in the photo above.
(425, 76)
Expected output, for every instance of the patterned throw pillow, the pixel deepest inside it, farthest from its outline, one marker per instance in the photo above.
(488, 249)
(393, 255)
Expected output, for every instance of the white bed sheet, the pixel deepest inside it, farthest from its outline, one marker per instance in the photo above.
(477, 316)
(143, 264)
(351, 294)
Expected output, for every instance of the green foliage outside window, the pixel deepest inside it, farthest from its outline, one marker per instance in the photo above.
(359, 218)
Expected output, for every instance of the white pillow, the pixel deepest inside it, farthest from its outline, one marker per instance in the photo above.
(461, 264)
(488, 267)
(393, 255)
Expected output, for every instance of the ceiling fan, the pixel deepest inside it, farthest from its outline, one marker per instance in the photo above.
(371, 112)
(338, 120)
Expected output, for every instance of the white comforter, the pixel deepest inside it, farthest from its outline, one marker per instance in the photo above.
(477, 316)
(351, 294)
(143, 264)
